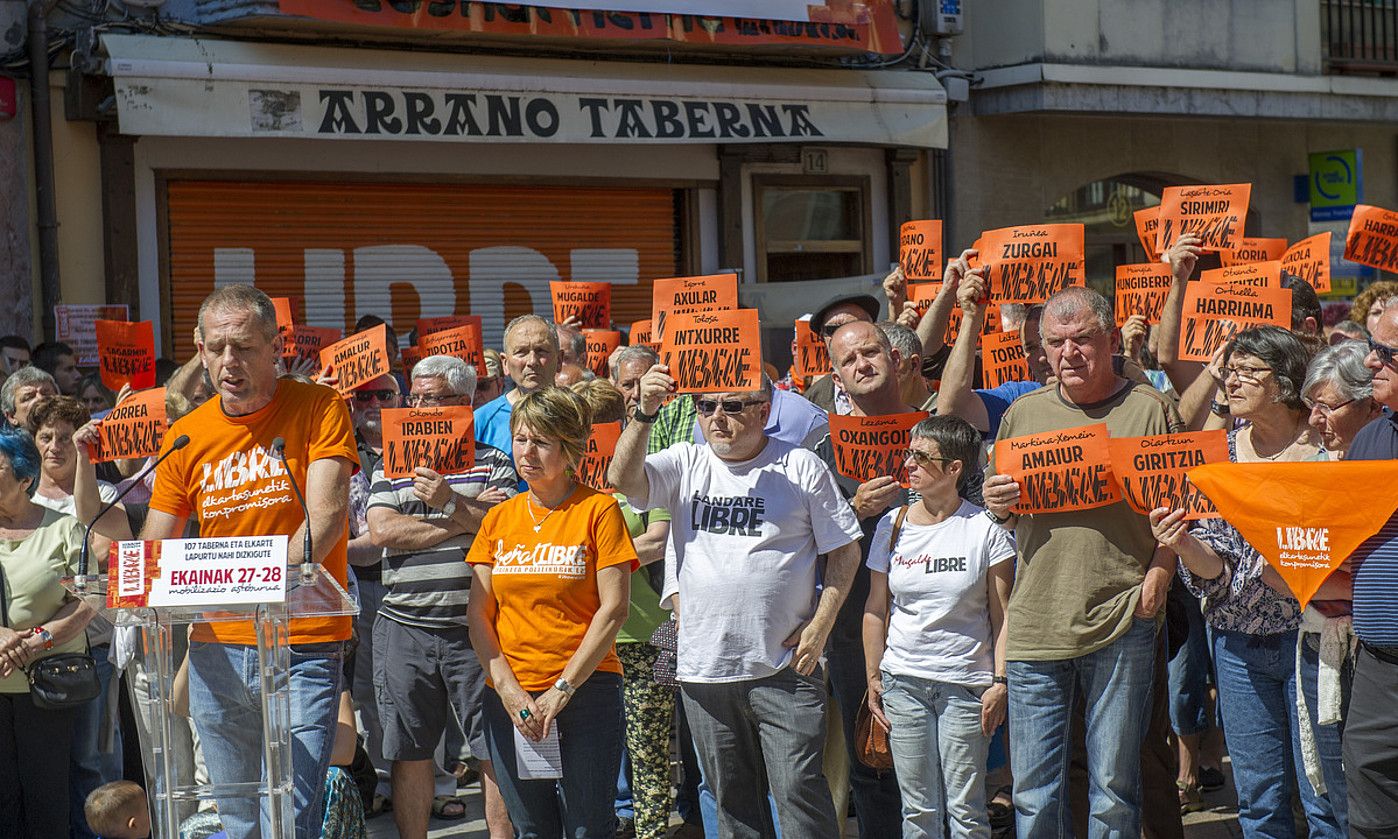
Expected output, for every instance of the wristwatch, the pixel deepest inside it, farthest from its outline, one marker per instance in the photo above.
(564, 688)
(450, 509)
(639, 416)
(997, 519)
(999, 680)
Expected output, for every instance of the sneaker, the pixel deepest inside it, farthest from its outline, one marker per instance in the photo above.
(1211, 778)
(1191, 799)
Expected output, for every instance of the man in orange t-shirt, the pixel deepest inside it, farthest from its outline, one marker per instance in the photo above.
(229, 480)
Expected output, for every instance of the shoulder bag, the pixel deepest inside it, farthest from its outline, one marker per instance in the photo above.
(56, 682)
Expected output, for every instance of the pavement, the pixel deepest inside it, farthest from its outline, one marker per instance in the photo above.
(1219, 821)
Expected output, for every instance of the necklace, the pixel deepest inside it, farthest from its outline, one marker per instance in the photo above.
(1295, 439)
(538, 523)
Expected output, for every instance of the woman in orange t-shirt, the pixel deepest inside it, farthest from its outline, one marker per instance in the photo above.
(551, 582)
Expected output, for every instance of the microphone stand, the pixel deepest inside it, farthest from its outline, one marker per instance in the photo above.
(308, 565)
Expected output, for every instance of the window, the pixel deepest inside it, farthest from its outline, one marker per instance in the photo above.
(811, 228)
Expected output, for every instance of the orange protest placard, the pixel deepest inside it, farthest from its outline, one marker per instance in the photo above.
(428, 326)
(1058, 471)
(463, 342)
(641, 335)
(1147, 227)
(1215, 213)
(920, 250)
(358, 358)
(1263, 274)
(1214, 312)
(873, 447)
(1309, 259)
(1252, 249)
(442, 438)
(285, 316)
(1152, 470)
(302, 341)
(1373, 238)
(1141, 289)
(1002, 359)
(592, 471)
(411, 356)
(133, 429)
(712, 352)
(687, 295)
(126, 353)
(601, 343)
(1304, 518)
(990, 325)
(1028, 264)
(812, 358)
(590, 303)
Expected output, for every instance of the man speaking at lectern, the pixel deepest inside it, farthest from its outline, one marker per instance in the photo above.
(229, 478)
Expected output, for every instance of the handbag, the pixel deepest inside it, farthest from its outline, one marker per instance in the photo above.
(56, 682)
(870, 735)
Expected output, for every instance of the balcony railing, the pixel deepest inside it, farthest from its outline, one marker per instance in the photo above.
(1360, 36)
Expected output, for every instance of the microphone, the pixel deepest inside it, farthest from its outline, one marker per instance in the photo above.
(180, 442)
(279, 452)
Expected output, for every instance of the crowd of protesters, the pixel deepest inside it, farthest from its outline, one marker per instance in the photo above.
(731, 600)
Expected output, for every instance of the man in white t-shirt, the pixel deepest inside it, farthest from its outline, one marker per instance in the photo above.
(752, 515)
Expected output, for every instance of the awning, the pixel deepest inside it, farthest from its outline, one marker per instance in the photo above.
(210, 88)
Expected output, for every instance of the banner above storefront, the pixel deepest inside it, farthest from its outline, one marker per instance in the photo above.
(870, 26)
(205, 88)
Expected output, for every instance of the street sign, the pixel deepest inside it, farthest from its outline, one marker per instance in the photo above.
(1336, 183)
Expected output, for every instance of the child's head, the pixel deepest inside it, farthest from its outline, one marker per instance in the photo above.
(118, 811)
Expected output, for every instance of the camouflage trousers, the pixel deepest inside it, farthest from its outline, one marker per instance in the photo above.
(650, 717)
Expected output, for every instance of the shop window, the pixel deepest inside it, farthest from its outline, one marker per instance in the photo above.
(811, 228)
(1106, 210)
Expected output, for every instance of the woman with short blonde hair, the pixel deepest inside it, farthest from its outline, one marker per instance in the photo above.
(551, 577)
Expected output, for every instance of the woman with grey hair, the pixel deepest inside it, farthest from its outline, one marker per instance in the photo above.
(1339, 393)
(1252, 616)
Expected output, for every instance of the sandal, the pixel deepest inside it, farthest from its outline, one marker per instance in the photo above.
(1191, 799)
(448, 808)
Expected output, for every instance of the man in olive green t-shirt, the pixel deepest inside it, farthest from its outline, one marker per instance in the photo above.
(1088, 589)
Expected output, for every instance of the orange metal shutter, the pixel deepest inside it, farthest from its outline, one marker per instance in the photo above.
(406, 250)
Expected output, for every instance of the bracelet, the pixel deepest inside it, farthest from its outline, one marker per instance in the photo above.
(44, 635)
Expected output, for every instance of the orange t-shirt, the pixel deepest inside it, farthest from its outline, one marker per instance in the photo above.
(227, 478)
(545, 583)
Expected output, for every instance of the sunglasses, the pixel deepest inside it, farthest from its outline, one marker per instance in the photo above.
(924, 459)
(1385, 353)
(709, 407)
(364, 397)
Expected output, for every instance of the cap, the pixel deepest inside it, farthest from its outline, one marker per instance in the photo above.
(863, 301)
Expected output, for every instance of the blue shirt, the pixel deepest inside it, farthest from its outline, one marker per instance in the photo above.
(997, 401)
(493, 428)
(1376, 578)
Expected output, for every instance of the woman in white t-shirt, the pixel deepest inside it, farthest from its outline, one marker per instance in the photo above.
(934, 634)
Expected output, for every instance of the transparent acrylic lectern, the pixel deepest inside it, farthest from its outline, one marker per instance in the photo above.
(310, 592)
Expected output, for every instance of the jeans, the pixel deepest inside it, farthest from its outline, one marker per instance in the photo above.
(578, 805)
(1189, 672)
(759, 734)
(875, 793)
(1257, 692)
(93, 762)
(1328, 738)
(1115, 683)
(939, 753)
(224, 700)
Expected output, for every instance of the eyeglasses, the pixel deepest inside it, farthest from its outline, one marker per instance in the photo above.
(924, 459)
(709, 407)
(1244, 374)
(364, 397)
(430, 398)
(1385, 353)
(1325, 410)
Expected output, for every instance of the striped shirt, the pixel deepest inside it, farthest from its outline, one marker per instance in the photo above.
(429, 588)
(1376, 578)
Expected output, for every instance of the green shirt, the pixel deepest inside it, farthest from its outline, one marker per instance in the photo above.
(674, 424)
(1079, 573)
(33, 567)
(646, 613)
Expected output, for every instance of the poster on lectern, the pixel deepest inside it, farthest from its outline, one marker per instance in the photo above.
(238, 571)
